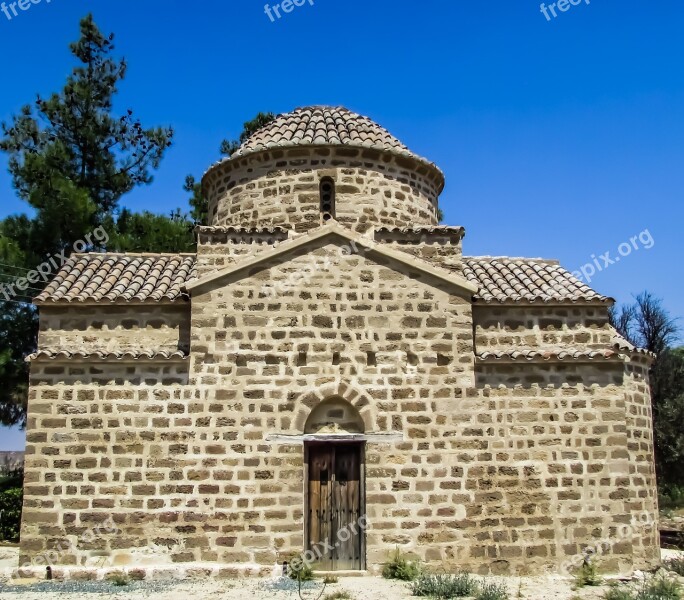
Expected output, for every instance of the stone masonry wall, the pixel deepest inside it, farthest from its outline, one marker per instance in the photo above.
(394, 343)
(281, 187)
(221, 247)
(559, 441)
(441, 247)
(499, 328)
(487, 466)
(642, 489)
(618, 482)
(98, 443)
(115, 328)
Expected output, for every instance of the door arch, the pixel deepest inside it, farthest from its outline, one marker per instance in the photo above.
(335, 487)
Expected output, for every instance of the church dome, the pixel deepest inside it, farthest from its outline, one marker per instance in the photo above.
(277, 176)
(325, 126)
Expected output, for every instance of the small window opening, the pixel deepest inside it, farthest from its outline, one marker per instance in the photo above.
(371, 359)
(327, 194)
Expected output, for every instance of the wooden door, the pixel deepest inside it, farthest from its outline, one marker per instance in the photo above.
(334, 506)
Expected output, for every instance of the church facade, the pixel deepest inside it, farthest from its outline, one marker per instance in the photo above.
(329, 373)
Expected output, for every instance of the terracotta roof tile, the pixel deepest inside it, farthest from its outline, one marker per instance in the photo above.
(437, 229)
(531, 354)
(622, 345)
(161, 278)
(240, 230)
(120, 278)
(54, 354)
(324, 126)
(526, 280)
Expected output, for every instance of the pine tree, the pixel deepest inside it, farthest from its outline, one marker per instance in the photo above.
(72, 159)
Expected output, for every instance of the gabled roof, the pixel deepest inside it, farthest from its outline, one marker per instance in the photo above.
(130, 278)
(523, 280)
(120, 278)
(332, 230)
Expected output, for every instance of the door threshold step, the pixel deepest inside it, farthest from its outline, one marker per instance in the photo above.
(342, 573)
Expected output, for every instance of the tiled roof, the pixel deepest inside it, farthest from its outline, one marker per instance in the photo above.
(526, 280)
(422, 229)
(50, 354)
(162, 278)
(240, 230)
(324, 126)
(426, 232)
(532, 354)
(120, 278)
(621, 344)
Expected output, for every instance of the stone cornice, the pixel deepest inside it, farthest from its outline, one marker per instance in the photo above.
(330, 230)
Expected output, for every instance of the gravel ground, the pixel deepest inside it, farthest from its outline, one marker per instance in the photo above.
(360, 588)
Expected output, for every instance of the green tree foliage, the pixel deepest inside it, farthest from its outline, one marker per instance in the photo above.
(138, 232)
(70, 153)
(667, 381)
(10, 514)
(249, 128)
(198, 201)
(647, 324)
(11, 497)
(71, 159)
(18, 326)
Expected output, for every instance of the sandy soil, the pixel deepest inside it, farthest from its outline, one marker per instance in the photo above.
(360, 588)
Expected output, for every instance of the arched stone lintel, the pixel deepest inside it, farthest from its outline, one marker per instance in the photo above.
(340, 389)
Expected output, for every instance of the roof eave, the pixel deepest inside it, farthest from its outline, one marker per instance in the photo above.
(550, 358)
(440, 176)
(103, 357)
(559, 302)
(63, 302)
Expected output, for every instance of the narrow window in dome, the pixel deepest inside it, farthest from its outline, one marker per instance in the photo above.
(327, 191)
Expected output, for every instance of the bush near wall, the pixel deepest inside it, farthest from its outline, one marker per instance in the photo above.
(11, 498)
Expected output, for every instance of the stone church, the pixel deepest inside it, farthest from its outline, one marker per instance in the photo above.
(329, 373)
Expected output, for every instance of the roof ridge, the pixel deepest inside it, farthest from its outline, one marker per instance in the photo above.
(550, 261)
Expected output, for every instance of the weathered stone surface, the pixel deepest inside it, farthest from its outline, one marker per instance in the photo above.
(492, 466)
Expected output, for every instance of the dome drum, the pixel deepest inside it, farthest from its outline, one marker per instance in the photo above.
(282, 187)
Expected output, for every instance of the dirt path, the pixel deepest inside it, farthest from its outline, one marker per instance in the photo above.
(359, 588)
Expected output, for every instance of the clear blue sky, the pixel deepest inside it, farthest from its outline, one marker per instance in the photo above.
(561, 138)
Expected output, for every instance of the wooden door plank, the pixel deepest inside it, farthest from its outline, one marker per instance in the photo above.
(334, 501)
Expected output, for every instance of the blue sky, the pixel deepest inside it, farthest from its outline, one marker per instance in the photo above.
(561, 139)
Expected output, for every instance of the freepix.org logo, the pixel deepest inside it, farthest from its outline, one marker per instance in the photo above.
(43, 271)
(9, 9)
(561, 5)
(287, 6)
